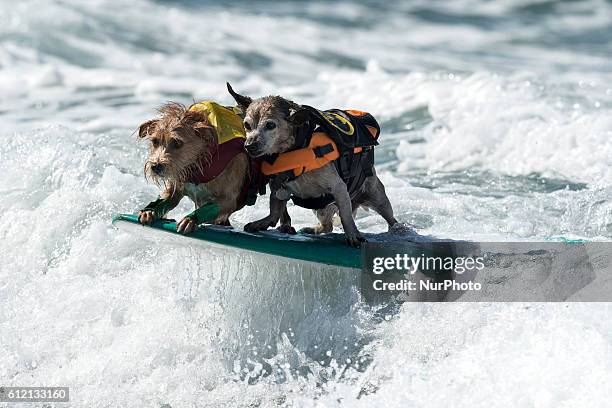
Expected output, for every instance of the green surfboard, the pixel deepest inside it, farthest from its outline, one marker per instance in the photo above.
(328, 249)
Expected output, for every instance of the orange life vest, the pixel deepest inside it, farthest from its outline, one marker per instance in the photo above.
(345, 137)
(321, 150)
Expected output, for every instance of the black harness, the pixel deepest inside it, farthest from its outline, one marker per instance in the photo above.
(349, 131)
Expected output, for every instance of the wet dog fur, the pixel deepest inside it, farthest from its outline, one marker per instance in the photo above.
(271, 123)
(179, 141)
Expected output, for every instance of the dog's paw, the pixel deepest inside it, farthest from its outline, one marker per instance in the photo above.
(399, 228)
(186, 225)
(354, 240)
(319, 229)
(287, 229)
(146, 217)
(255, 226)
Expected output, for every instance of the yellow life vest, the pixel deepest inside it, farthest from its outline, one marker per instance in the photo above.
(228, 124)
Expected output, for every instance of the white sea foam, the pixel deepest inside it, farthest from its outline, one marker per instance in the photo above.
(495, 127)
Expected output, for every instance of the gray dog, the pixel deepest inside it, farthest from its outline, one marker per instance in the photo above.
(275, 126)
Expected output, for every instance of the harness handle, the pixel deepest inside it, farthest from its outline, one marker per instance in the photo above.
(321, 151)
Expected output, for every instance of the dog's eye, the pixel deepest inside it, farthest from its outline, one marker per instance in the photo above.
(247, 127)
(176, 143)
(270, 125)
(155, 142)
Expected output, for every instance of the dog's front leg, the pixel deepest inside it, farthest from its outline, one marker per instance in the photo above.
(345, 210)
(206, 213)
(276, 208)
(285, 221)
(157, 209)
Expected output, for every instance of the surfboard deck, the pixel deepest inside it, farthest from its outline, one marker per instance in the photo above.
(328, 249)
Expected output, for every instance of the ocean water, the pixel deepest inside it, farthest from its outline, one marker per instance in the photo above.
(496, 126)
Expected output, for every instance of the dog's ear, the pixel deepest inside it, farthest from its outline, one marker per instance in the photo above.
(206, 132)
(298, 116)
(147, 128)
(242, 101)
(200, 124)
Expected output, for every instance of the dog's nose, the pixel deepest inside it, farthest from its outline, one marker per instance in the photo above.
(157, 168)
(251, 147)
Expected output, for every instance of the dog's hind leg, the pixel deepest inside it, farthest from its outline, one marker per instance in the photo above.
(376, 198)
(326, 220)
(224, 222)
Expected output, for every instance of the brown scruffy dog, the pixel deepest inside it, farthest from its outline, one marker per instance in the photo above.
(182, 147)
